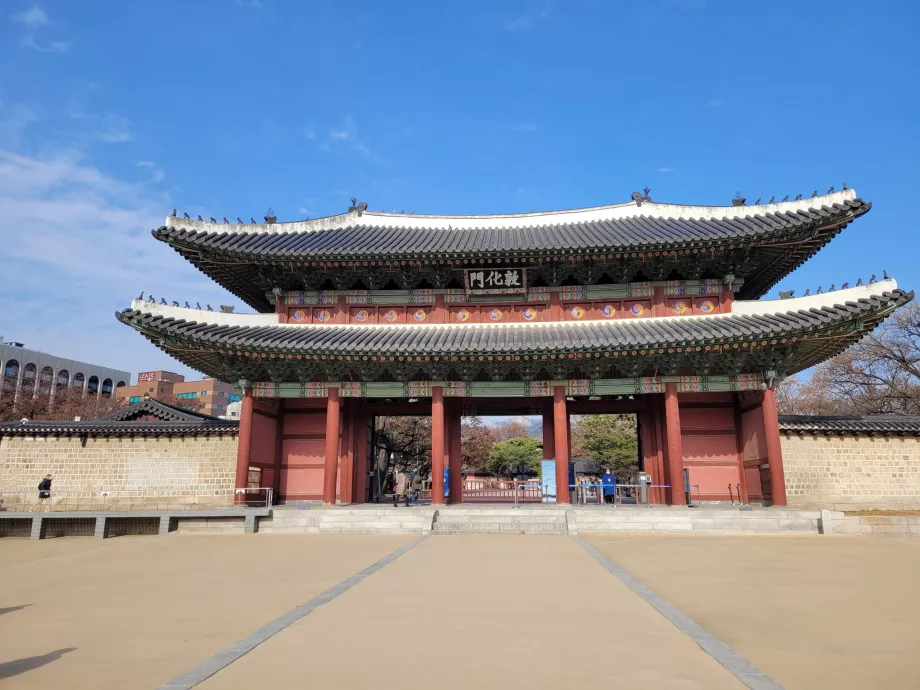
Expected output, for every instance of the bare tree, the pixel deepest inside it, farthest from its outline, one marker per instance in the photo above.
(878, 375)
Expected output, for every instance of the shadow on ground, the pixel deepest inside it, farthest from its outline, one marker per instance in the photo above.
(8, 669)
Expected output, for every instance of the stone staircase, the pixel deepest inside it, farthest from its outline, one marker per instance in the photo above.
(356, 520)
(539, 519)
(720, 520)
(503, 520)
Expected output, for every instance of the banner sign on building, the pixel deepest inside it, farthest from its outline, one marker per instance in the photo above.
(146, 376)
(494, 281)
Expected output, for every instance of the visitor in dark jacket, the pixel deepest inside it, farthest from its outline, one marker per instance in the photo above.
(44, 492)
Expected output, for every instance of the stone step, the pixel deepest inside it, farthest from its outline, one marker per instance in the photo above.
(508, 510)
(498, 527)
(472, 519)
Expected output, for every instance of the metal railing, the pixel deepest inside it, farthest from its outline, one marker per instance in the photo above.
(152, 499)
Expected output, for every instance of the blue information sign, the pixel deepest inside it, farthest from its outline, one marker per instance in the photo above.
(548, 479)
(446, 482)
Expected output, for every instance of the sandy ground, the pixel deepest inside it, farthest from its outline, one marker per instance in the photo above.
(132, 612)
(832, 612)
(482, 611)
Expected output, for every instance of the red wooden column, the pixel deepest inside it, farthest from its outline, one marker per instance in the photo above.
(245, 439)
(561, 438)
(437, 445)
(774, 450)
(360, 420)
(332, 445)
(674, 445)
(281, 309)
(346, 485)
(455, 426)
(739, 450)
(279, 452)
(549, 436)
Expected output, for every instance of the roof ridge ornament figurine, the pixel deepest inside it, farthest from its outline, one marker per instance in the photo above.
(198, 306)
(186, 216)
(163, 301)
(819, 291)
(151, 299)
(270, 216)
(187, 306)
(885, 275)
(786, 198)
(757, 203)
(174, 213)
(772, 199)
(175, 303)
(845, 186)
(141, 296)
(845, 285)
(226, 309)
(807, 292)
(226, 222)
(831, 288)
(873, 279)
(798, 197)
(859, 282)
(252, 220)
(831, 190)
(646, 195)
(814, 194)
(239, 221)
(738, 200)
(209, 308)
(212, 219)
(200, 218)
(786, 294)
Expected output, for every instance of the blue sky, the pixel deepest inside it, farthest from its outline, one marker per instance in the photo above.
(113, 113)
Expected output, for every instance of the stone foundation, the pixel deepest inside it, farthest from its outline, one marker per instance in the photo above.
(852, 472)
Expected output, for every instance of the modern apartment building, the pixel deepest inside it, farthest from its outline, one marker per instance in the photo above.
(213, 395)
(30, 372)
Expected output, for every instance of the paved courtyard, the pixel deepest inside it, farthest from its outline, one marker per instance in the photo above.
(459, 611)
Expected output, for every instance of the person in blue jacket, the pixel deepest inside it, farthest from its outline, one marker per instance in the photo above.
(610, 486)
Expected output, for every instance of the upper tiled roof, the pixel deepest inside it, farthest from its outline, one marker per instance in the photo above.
(369, 236)
(850, 424)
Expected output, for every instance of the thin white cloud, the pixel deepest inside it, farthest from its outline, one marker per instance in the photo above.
(664, 169)
(15, 119)
(33, 17)
(145, 164)
(303, 211)
(83, 250)
(50, 47)
(346, 136)
(113, 129)
(528, 21)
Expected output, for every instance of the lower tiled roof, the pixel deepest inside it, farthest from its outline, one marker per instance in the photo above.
(508, 338)
(850, 424)
(102, 427)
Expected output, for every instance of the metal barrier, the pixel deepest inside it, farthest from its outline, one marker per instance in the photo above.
(152, 499)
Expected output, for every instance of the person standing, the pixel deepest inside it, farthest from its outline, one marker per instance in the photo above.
(609, 481)
(401, 488)
(44, 492)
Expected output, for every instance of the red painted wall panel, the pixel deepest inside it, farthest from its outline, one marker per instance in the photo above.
(707, 418)
(755, 451)
(302, 468)
(305, 423)
(262, 446)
